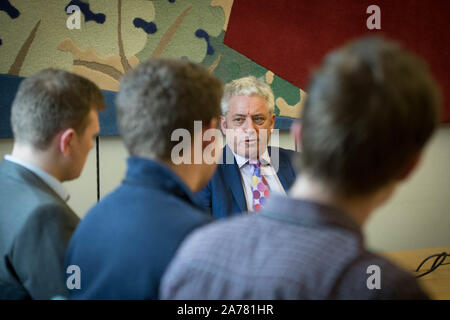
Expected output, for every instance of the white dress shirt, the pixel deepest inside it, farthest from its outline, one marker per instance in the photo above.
(267, 171)
(51, 181)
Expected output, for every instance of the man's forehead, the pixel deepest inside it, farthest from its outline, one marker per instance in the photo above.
(237, 114)
(247, 105)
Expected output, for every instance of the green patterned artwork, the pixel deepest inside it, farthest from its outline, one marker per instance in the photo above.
(115, 35)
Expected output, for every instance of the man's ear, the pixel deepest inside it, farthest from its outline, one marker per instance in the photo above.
(223, 124)
(272, 125)
(410, 167)
(65, 141)
(213, 124)
(296, 134)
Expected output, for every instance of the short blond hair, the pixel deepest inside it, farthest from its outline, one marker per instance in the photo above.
(248, 86)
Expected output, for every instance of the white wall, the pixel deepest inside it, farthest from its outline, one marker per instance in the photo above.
(418, 216)
(113, 157)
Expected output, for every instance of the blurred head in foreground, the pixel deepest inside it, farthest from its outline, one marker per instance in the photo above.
(161, 97)
(371, 108)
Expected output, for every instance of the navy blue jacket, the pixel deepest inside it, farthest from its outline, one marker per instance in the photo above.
(224, 196)
(126, 241)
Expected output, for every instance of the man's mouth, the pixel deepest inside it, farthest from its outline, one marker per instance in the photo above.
(248, 140)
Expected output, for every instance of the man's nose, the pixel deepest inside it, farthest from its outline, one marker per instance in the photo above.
(249, 125)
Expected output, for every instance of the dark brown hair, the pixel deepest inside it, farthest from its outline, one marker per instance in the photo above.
(370, 109)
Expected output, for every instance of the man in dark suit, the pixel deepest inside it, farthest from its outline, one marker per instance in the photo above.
(125, 242)
(250, 170)
(54, 120)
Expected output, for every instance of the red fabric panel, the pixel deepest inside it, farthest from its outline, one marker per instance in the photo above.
(290, 37)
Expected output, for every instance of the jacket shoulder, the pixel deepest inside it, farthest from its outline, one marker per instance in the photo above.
(283, 151)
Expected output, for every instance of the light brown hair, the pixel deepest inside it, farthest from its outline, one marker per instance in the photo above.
(50, 101)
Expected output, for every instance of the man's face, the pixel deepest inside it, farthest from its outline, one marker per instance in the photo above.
(84, 143)
(249, 125)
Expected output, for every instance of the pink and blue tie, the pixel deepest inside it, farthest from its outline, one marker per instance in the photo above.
(259, 186)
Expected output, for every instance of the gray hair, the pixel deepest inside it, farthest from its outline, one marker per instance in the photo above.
(160, 96)
(248, 86)
(50, 101)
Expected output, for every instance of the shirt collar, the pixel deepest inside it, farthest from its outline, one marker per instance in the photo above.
(155, 174)
(51, 181)
(308, 213)
(241, 161)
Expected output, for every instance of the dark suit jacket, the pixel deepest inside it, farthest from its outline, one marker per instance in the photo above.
(224, 196)
(125, 242)
(35, 228)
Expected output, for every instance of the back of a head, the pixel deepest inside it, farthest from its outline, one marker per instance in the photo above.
(371, 108)
(160, 96)
(50, 101)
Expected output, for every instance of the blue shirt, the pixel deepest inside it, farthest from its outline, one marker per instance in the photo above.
(126, 241)
(292, 249)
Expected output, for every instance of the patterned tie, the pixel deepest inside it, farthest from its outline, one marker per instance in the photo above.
(260, 187)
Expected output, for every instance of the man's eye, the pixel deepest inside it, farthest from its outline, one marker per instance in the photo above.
(239, 120)
(259, 120)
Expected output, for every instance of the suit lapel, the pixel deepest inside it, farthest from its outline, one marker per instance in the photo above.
(283, 172)
(232, 178)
